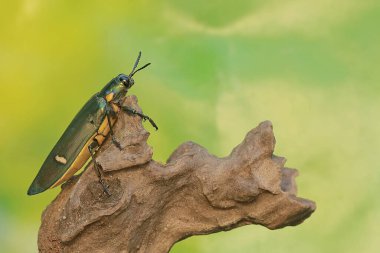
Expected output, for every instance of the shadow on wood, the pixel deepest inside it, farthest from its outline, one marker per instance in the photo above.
(153, 205)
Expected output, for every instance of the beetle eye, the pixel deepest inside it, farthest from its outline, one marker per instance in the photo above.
(123, 80)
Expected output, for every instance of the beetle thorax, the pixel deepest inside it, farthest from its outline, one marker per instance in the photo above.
(116, 94)
(115, 90)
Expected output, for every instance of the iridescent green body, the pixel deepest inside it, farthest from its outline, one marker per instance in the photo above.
(73, 143)
(86, 133)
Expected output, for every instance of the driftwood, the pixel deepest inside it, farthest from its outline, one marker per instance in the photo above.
(153, 205)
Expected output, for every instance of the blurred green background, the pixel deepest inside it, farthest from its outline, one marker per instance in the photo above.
(218, 69)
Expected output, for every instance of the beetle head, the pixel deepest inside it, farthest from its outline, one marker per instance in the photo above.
(128, 80)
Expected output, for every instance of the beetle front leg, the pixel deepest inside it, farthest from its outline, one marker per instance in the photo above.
(91, 148)
(143, 116)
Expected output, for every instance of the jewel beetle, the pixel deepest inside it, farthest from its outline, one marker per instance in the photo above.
(86, 133)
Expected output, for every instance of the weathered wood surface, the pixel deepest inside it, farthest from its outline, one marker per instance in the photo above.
(154, 205)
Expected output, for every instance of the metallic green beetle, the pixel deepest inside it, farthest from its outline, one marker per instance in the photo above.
(86, 133)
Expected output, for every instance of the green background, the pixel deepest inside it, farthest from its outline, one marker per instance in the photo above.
(218, 69)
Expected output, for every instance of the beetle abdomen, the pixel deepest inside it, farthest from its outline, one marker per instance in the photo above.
(70, 152)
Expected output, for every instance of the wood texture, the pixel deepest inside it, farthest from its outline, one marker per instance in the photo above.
(154, 205)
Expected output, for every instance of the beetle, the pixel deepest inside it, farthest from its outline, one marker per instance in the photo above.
(86, 133)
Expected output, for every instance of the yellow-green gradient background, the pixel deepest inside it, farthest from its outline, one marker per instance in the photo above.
(218, 69)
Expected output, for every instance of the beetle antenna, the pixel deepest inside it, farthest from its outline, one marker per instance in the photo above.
(136, 63)
(135, 66)
(143, 67)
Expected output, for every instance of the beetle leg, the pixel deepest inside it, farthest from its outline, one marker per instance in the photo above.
(114, 140)
(143, 116)
(109, 111)
(98, 170)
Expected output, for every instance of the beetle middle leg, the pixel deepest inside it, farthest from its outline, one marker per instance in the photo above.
(99, 172)
(109, 112)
